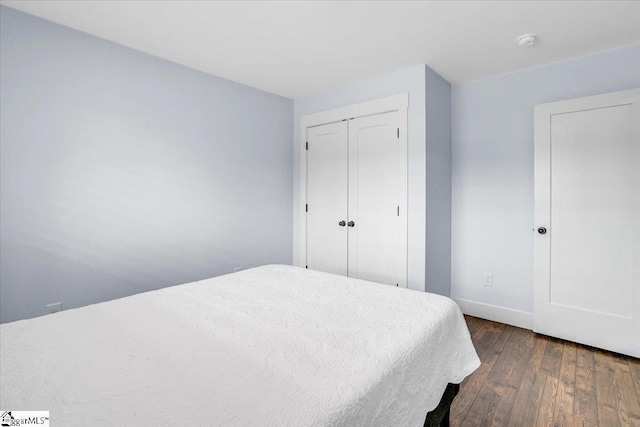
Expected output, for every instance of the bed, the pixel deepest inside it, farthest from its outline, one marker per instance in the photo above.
(270, 346)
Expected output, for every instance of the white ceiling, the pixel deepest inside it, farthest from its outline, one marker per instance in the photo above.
(299, 48)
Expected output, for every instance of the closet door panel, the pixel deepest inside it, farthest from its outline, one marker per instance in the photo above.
(374, 198)
(327, 198)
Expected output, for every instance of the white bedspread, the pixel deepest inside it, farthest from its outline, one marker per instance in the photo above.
(270, 346)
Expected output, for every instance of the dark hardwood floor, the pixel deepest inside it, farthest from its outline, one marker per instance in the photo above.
(528, 379)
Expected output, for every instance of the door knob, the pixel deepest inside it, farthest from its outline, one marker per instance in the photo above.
(351, 224)
(342, 223)
(542, 230)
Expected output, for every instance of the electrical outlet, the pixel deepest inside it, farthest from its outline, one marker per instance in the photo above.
(54, 307)
(488, 279)
(235, 270)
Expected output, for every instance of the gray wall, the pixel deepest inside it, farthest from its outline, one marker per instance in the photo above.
(412, 81)
(493, 200)
(438, 187)
(122, 172)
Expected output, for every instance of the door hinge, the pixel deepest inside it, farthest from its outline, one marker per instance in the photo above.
(398, 210)
(398, 133)
(306, 146)
(306, 208)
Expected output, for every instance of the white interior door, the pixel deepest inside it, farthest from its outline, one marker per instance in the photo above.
(327, 198)
(587, 264)
(374, 193)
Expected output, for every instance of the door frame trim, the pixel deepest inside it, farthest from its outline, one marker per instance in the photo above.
(397, 103)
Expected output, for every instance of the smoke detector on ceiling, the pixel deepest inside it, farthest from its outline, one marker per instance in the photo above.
(528, 39)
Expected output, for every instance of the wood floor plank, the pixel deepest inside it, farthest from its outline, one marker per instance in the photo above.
(634, 367)
(566, 386)
(628, 406)
(565, 420)
(501, 385)
(489, 395)
(552, 358)
(469, 390)
(489, 345)
(490, 406)
(506, 364)
(521, 337)
(519, 409)
(535, 361)
(605, 392)
(485, 340)
(492, 342)
(479, 333)
(502, 408)
(586, 406)
(585, 370)
(528, 379)
(608, 417)
(527, 401)
(473, 324)
(616, 361)
(548, 403)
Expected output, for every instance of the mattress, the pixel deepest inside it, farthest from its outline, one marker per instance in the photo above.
(271, 346)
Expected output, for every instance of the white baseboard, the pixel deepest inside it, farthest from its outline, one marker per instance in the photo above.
(518, 318)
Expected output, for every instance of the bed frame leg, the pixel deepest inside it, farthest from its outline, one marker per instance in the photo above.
(445, 420)
(436, 418)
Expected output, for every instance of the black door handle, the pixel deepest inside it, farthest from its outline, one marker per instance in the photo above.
(542, 230)
(342, 223)
(351, 224)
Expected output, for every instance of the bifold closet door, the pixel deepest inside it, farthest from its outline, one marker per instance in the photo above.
(373, 226)
(327, 198)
